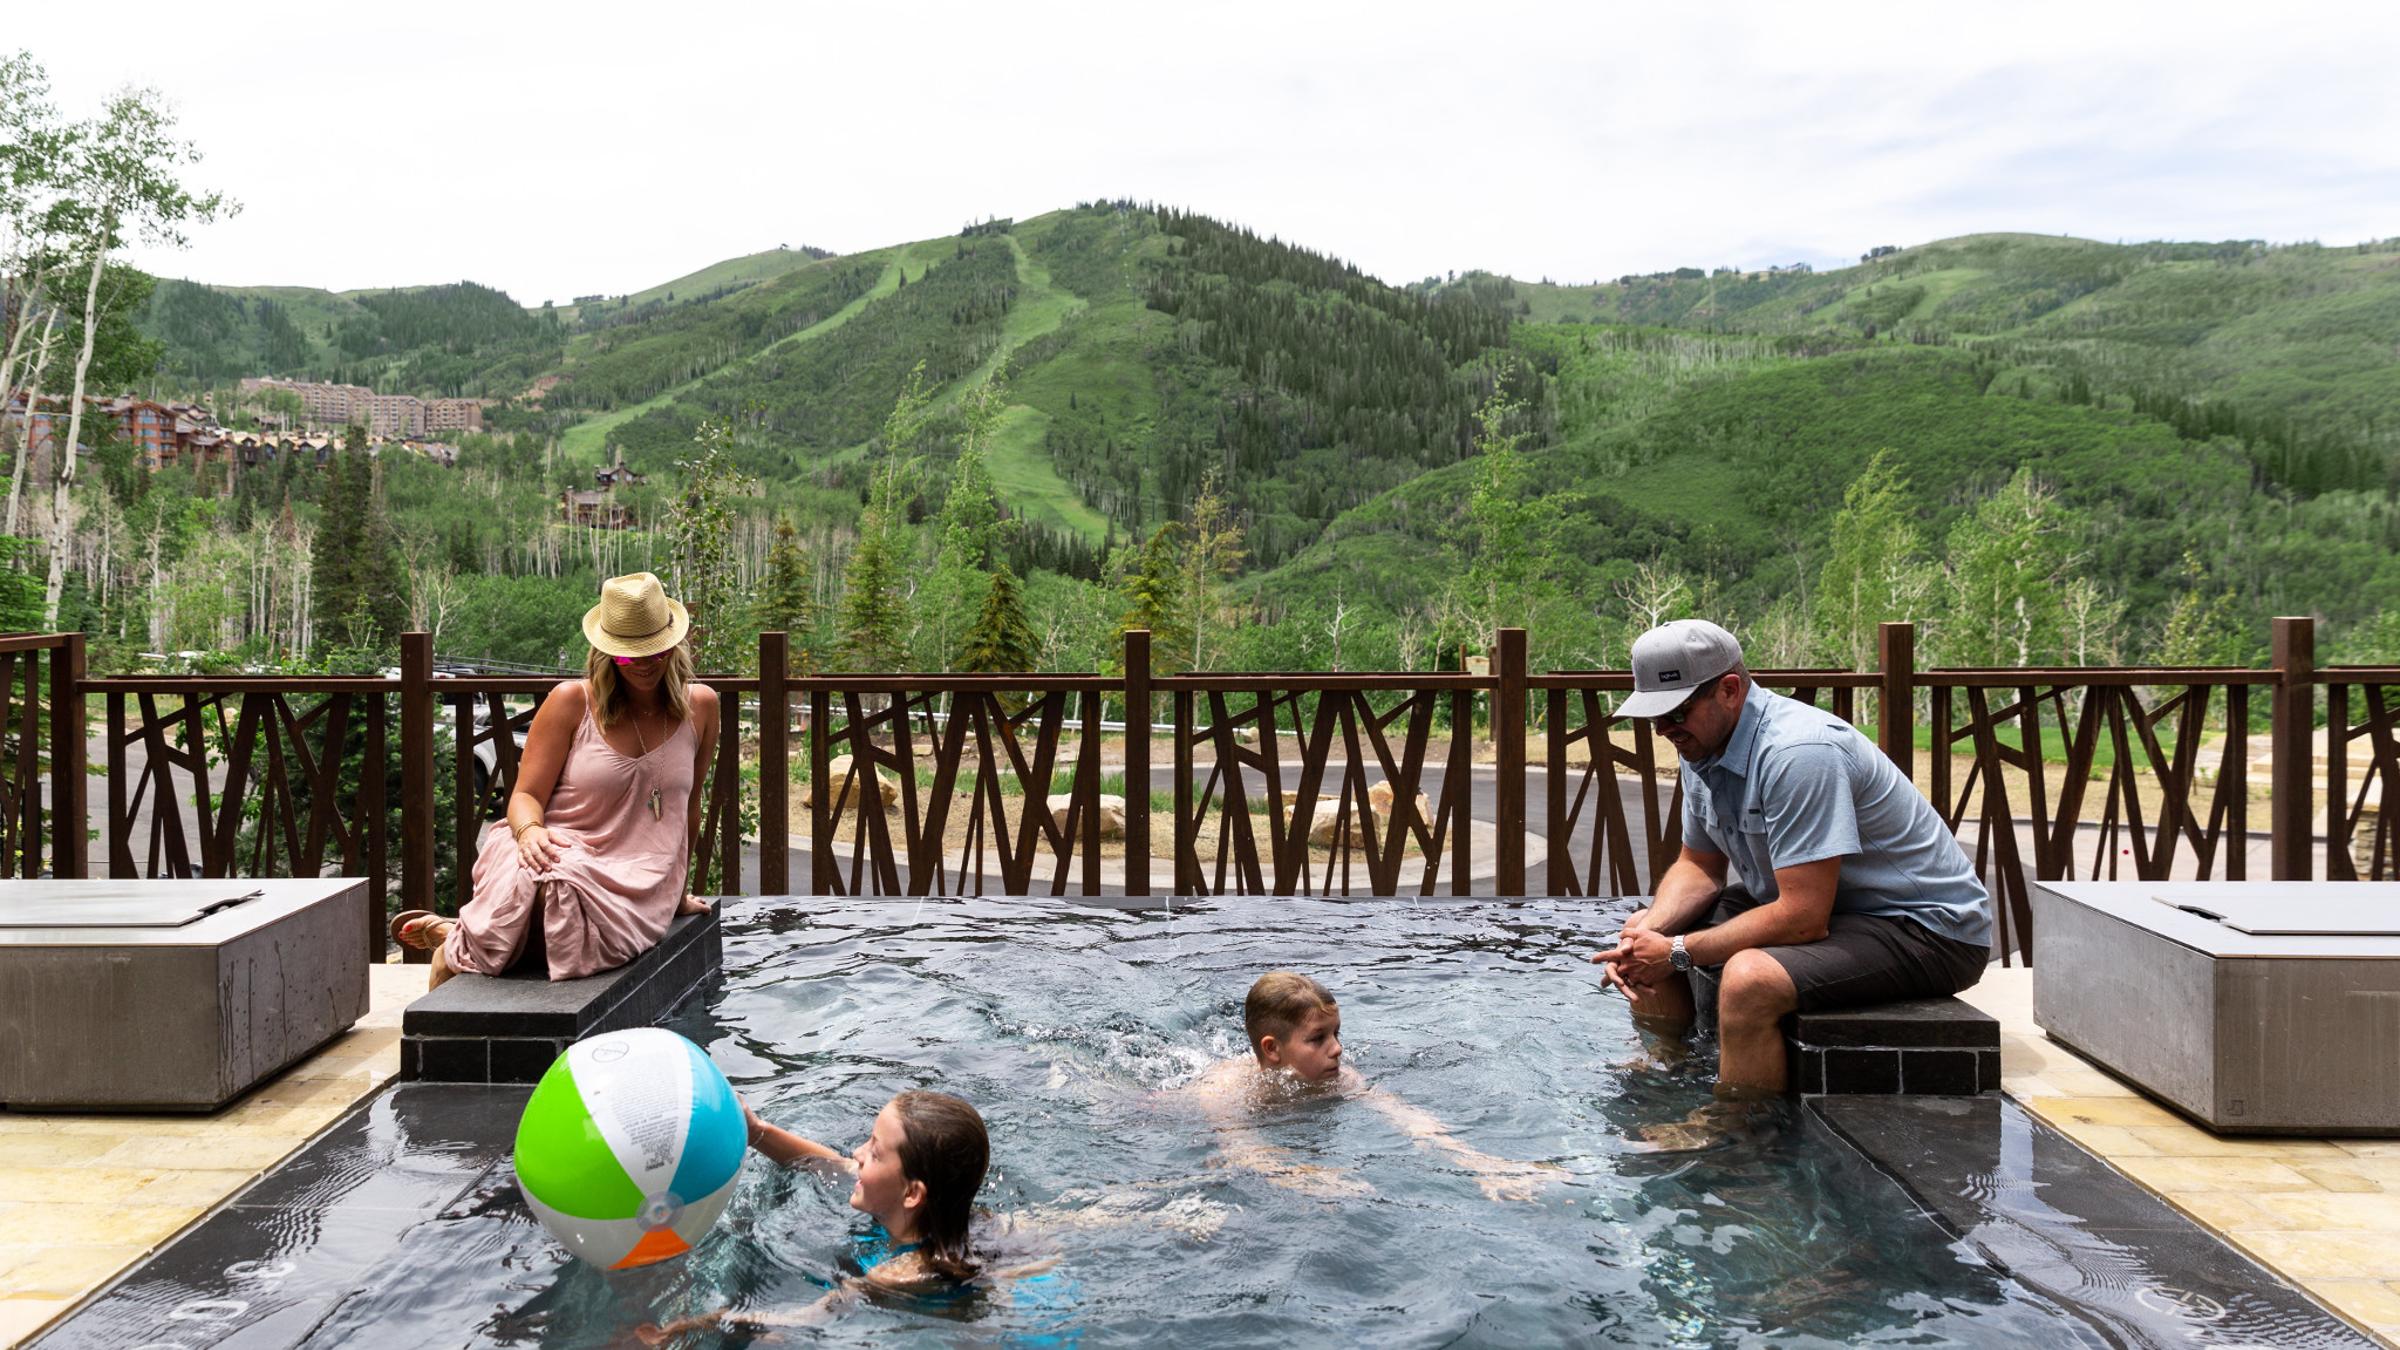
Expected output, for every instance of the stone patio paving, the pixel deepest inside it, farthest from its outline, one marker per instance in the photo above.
(2323, 1213)
(84, 1196)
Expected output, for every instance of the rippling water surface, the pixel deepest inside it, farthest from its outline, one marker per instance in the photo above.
(1071, 1028)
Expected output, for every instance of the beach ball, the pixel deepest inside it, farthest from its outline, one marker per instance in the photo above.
(629, 1147)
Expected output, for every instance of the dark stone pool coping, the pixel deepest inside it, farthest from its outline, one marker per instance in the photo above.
(2066, 1225)
(508, 1029)
(274, 1266)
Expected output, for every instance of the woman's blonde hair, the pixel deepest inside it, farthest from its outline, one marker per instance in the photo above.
(609, 696)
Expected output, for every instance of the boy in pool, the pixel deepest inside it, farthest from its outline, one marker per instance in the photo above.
(1295, 1031)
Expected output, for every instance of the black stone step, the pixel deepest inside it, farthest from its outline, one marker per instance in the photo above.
(508, 1029)
(1928, 1047)
(1931, 1047)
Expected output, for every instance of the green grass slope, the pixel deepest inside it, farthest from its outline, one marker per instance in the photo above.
(715, 281)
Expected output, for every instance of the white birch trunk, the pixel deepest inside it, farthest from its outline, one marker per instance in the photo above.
(33, 398)
(62, 510)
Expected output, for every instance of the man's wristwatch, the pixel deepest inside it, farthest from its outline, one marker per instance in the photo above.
(1678, 959)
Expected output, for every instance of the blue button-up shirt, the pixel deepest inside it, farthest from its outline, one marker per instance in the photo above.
(1795, 784)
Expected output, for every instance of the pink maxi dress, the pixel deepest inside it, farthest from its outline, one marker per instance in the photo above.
(620, 870)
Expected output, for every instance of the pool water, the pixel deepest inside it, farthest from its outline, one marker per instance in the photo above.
(1072, 1029)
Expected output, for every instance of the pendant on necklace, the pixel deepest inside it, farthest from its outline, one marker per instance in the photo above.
(656, 811)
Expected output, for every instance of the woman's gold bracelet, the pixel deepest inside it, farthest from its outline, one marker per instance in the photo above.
(518, 831)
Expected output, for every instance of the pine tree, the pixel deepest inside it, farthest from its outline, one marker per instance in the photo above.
(785, 601)
(1002, 640)
(1153, 589)
(873, 613)
(354, 584)
(874, 617)
(382, 589)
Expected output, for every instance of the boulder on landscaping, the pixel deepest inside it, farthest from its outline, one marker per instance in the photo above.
(837, 772)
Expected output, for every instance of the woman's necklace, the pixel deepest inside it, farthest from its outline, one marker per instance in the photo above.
(657, 808)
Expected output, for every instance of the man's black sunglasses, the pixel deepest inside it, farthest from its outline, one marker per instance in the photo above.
(1682, 712)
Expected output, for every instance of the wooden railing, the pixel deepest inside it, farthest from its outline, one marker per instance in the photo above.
(1408, 787)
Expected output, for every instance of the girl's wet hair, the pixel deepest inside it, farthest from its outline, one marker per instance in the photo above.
(1279, 1002)
(943, 1145)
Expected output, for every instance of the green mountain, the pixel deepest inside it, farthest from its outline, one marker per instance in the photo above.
(2230, 403)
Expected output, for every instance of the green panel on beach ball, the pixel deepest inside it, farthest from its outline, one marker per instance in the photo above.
(562, 1158)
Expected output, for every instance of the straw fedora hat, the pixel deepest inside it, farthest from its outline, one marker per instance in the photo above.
(635, 617)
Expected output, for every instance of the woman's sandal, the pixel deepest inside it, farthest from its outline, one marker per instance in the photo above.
(410, 927)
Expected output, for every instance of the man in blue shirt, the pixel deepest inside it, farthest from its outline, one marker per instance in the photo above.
(1812, 873)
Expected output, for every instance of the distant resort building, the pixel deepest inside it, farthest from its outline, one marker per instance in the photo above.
(594, 510)
(397, 416)
(597, 508)
(188, 436)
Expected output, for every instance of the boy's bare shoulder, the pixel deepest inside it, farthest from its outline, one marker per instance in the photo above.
(1226, 1082)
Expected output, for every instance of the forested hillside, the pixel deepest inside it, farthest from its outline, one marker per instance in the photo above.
(2045, 449)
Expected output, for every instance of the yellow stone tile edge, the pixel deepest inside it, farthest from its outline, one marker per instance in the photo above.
(2322, 1213)
(87, 1196)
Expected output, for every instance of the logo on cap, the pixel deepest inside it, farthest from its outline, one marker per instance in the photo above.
(1670, 677)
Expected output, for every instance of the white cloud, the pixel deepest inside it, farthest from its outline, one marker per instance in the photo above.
(560, 150)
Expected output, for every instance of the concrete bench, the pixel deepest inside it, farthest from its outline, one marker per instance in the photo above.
(1932, 1047)
(507, 1029)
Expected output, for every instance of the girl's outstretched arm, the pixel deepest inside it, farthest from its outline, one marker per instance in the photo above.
(791, 1150)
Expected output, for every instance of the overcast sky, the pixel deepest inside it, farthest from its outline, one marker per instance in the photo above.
(562, 150)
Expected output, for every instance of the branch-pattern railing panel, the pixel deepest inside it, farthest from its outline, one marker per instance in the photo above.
(958, 830)
(2045, 773)
(281, 778)
(2362, 706)
(43, 829)
(1346, 746)
(2108, 731)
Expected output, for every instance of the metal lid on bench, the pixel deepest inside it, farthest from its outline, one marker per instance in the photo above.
(2308, 912)
(135, 904)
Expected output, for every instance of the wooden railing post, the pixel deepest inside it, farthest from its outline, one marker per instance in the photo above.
(70, 822)
(1508, 761)
(2294, 801)
(774, 765)
(1896, 715)
(1137, 761)
(416, 771)
(823, 875)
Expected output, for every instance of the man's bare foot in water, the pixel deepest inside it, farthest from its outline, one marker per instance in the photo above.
(1725, 1121)
(1664, 1047)
(692, 904)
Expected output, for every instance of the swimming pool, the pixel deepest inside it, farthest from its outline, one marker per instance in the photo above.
(1072, 1027)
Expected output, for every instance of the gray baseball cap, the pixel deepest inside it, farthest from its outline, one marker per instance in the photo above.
(1672, 660)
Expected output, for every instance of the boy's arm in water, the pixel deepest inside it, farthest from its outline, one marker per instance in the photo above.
(1500, 1178)
(791, 1150)
(1223, 1094)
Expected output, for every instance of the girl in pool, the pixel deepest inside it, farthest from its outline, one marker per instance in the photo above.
(916, 1176)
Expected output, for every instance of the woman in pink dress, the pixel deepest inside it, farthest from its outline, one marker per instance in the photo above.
(602, 825)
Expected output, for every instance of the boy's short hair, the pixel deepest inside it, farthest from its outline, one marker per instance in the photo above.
(1280, 1001)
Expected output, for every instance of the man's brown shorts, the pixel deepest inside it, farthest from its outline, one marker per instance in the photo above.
(1867, 958)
